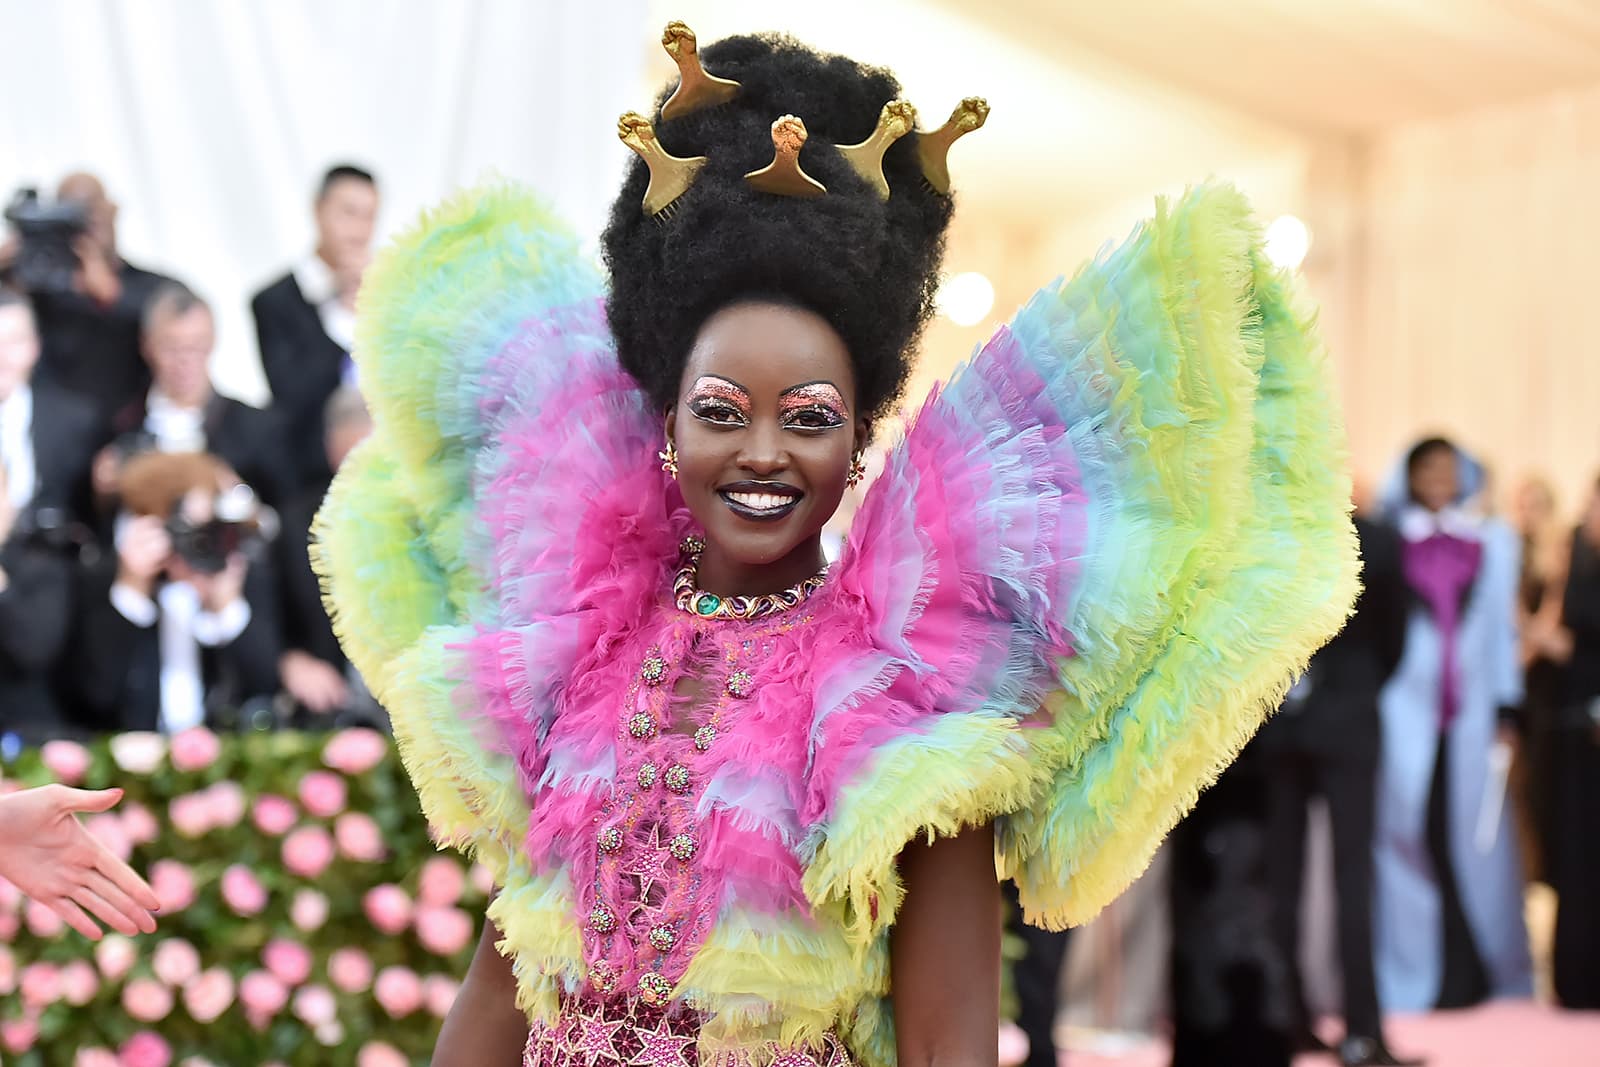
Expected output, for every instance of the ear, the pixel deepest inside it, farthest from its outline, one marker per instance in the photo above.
(863, 436)
(670, 422)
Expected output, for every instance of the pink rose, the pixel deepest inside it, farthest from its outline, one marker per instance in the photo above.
(243, 892)
(309, 910)
(175, 961)
(439, 993)
(359, 837)
(441, 882)
(145, 1049)
(44, 923)
(107, 829)
(140, 826)
(350, 970)
(289, 962)
(356, 751)
(67, 760)
(195, 749)
(190, 815)
(95, 1056)
(274, 815)
(208, 994)
(388, 908)
(308, 851)
(147, 1000)
(114, 955)
(18, 1035)
(398, 991)
(329, 1033)
(381, 1054)
(8, 971)
(40, 985)
(443, 931)
(174, 885)
(138, 753)
(263, 996)
(227, 804)
(314, 1005)
(322, 794)
(482, 878)
(79, 983)
(10, 897)
(9, 925)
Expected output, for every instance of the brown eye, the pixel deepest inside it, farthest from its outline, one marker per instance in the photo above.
(716, 413)
(814, 418)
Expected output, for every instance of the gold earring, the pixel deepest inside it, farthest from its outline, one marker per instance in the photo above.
(669, 459)
(858, 470)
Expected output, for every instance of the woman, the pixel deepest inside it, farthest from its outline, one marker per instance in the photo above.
(1574, 870)
(1449, 888)
(734, 799)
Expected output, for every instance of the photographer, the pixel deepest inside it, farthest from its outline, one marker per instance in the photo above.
(182, 413)
(178, 629)
(305, 320)
(325, 688)
(89, 316)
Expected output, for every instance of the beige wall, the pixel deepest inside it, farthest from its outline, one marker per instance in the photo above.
(1458, 265)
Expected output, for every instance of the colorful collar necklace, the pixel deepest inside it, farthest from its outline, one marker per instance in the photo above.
(690, 598)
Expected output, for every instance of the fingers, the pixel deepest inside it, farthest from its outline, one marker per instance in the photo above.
(90, 800)
(126, 880)
(74, 917)
(123, 902)
(101, 909)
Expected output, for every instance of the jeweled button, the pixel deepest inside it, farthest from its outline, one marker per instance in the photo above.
(704, 736)
(610, 840)
(602, 977)
(707, 604)
(741, 684)
(642, 726)
(654, 669)
(682, 847)
(654, 989)
(677, 778)
(601, 920)
(662, 938)
(647, 775)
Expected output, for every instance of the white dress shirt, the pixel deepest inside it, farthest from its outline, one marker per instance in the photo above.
(16, 445)
(321, 290)
(185, 627)
(175, 428)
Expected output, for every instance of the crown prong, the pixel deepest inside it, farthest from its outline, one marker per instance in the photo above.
(934, 147)
(895, 121)
(670, 176)
(697, 88)
(783, 176)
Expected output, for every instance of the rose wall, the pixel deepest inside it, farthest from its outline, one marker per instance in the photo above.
(306, 917)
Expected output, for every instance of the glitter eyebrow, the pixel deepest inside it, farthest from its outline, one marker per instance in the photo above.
(714, 387)
(813, 394)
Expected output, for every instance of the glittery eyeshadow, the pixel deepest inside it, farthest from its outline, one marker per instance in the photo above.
(813, 395)
(710, 387)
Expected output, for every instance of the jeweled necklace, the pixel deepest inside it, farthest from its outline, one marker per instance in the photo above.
(695, 601)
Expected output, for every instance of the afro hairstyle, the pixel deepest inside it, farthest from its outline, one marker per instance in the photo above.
(868, 267)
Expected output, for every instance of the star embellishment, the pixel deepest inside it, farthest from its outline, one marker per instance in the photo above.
(661, 1048)
(650, 864)
(595, 1040)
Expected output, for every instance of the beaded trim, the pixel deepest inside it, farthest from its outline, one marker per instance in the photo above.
(705, 605)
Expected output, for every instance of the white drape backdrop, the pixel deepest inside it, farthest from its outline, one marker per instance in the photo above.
(210, 120)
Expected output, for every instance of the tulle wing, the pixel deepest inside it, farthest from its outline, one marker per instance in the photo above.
(461, 545)
(1096, 561)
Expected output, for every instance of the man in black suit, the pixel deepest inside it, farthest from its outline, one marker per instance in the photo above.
(182, 413)
(305, 320)
(91, 332)
(1325, 740)
(175, 631)
(46, 437)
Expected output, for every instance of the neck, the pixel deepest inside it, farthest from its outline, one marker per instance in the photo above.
(724, 576)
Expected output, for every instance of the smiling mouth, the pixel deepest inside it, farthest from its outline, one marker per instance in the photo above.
(761, 501)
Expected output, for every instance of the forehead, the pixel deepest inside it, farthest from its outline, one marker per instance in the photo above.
(351, 192)
(768, 348)
(195, 320)
(15, 318)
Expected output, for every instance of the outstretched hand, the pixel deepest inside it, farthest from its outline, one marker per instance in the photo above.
(46, 853)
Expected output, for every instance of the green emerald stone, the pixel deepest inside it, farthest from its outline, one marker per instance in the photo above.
(707, 604)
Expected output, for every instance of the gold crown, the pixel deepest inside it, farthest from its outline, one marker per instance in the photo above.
(698, 89)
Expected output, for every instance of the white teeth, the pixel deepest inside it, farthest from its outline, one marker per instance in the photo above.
(761, 501)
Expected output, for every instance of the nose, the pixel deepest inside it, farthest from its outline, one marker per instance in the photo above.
(763, 453)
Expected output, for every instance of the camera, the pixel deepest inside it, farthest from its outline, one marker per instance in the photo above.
(237, 525)
(47, 261)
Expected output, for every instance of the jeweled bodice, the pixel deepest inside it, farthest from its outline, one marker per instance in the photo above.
(655, 863)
